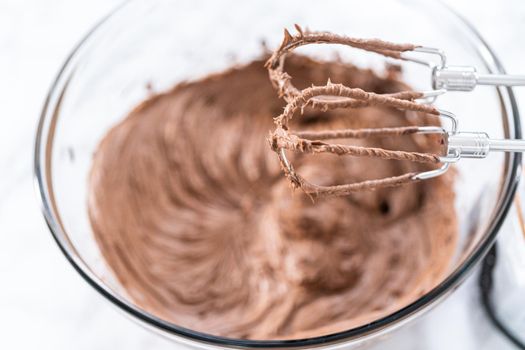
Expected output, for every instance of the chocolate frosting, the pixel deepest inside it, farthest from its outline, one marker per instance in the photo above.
(194, 217)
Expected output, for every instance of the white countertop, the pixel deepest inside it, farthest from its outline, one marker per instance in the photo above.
(44, 303)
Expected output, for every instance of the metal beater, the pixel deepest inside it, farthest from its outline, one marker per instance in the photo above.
(456, 144)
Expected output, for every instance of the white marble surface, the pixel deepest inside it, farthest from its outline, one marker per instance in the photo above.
(44, 304)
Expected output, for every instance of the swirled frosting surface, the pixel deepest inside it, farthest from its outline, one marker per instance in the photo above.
(198, 224)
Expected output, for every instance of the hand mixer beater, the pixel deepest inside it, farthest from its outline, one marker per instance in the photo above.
(454, 144)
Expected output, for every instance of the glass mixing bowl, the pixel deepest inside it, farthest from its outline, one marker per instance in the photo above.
(148, 44)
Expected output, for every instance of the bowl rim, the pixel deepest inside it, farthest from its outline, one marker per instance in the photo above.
(41, 176)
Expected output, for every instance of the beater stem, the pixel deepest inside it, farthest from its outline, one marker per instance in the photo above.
(507, 145)
(465, 78)
(501, 79)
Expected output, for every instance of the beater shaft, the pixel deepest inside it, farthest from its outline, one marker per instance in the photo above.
(478, 145)
(465, 78)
